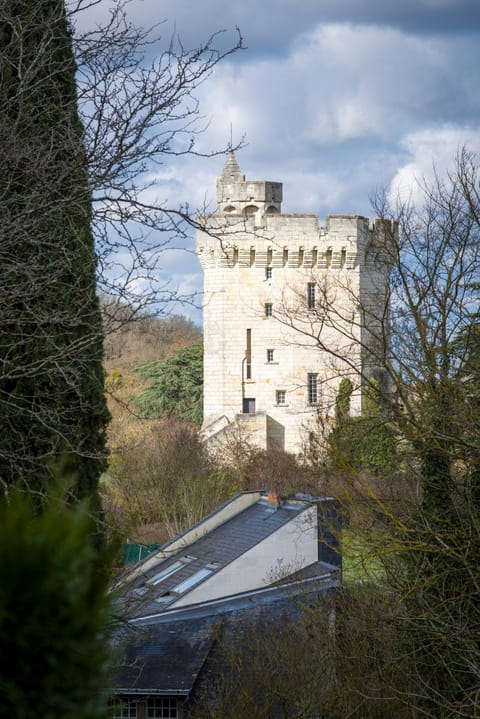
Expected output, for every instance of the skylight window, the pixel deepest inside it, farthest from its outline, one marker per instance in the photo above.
(168, 571)
(140, 591)
(192, 581)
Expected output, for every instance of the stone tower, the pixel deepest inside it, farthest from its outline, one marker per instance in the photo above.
(290, 308)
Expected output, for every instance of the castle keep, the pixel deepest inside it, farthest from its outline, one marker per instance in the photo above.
(290, 309)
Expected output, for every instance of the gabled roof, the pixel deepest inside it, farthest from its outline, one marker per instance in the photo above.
(164, 654)
(164, 658)
(156, 585)
(166, 643)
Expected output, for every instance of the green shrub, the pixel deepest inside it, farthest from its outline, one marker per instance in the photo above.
(54, 611)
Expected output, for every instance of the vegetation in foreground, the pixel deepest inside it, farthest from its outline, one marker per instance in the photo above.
(55, 612)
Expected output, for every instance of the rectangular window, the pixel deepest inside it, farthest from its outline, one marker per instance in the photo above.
(165, 573)
(311, 295)
(268, 309)
(192, 581)
(281, 396)
(312, 388)
(248, 356)
(123, 708)
(162, 708)
(268, 273)
(248, 405)
(168, 571)
(269, 355)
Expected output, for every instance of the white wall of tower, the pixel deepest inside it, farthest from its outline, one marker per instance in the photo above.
(266, 258)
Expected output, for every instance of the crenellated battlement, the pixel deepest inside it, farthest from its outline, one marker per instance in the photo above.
(347, 241)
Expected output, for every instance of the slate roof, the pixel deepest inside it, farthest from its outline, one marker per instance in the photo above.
(214, 550)
(165, 647)
(165, 658)
(164, 654)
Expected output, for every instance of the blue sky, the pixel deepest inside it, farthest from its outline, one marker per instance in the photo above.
(335, 98)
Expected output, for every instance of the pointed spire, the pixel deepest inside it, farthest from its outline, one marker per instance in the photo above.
(231, 171)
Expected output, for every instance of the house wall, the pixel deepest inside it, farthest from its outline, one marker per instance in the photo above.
(293, 546)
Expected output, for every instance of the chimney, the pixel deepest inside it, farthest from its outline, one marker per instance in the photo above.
(273, 498)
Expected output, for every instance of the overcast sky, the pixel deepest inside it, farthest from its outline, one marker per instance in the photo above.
(335, 97)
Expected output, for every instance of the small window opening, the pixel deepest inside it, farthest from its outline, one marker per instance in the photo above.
(281, 396)
(268, 309)
(312, 384)
(248, 355)
(311, 295)
(123, 708)
(248, 405)
(269, 355)
(162, 708)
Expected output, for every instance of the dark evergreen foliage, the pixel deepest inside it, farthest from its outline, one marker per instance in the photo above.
(342, 403)
(51, 381)
(365, 443)
(177, 386)
(54, 611)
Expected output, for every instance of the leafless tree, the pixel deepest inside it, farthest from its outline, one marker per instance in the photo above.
(80, 129)
(423, 340)
(138, 104)
(312, 660)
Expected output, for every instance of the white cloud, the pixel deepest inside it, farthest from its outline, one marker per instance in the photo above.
(431, 152)
(339, 83)
(332, 105)
(330, 116)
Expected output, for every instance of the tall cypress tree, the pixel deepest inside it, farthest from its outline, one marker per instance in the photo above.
(51, 376)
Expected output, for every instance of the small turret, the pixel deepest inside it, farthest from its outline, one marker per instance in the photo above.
(238, 196)
(232, 172)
